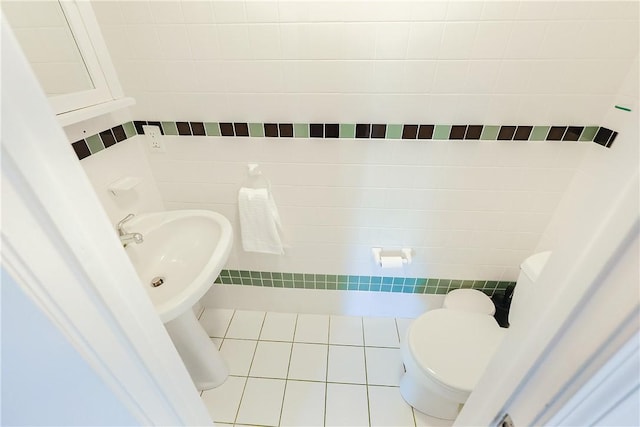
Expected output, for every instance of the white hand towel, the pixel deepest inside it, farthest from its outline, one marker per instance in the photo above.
(259, 221)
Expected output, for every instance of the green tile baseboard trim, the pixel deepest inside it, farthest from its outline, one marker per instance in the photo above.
(406, 285)
(398, 132)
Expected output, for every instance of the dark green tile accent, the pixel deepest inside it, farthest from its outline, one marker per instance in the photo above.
(420, 289)
(256, 130)
(347, 130)
(301, 130)
(396, 288)
(588, 133)
(442, 132)
(385, 288)
(467, 284)
(95, 144)
(490, 133)
(394, 131)
(130, 130)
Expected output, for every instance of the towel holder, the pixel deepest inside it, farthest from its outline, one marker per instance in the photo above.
(255, 179)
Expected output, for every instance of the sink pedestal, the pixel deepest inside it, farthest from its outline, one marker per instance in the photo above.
(199, 354)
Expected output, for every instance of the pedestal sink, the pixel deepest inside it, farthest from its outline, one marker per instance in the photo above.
(182, 254)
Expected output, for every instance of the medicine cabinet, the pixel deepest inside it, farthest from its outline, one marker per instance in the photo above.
(63, 43)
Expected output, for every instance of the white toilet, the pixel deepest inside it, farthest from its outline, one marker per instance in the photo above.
(470, 300)
(446, 351)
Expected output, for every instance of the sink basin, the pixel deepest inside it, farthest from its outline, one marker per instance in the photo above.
(186, 248)
(183, 252)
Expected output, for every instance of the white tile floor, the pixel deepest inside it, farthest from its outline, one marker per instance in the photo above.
(309, 370)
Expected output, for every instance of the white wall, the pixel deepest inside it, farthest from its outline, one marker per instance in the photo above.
(487, 62)
(602, 169)
(469, 210)
(125, 159)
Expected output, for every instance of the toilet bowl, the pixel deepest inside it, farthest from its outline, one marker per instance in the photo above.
(471, 300)
(446, 351)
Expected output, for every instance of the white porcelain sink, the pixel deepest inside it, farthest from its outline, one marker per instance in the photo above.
(186, 249)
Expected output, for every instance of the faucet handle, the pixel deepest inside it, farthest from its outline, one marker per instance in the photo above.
(123, 220)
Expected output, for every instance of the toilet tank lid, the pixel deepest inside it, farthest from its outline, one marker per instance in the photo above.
(533, 265)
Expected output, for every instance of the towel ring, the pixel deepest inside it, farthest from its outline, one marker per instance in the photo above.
(255, 179)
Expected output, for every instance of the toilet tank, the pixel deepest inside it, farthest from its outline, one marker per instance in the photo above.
(529, 272)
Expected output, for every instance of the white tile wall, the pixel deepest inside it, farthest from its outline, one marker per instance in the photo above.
(385, 49)
(468, 210)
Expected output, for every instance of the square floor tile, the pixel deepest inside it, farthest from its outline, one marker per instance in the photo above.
(246, 325)
(271, 360)
(262, 402)
(403, 324)
(346, 330)
(347, 405)
(308, 362)
(384, 366)
(278, 327)
(216, 321)
(388, 408)
(238, 355)
(303, 404)
(312, 328)
(346, 365)
(223, 401)
(424, 420)
(380, 332)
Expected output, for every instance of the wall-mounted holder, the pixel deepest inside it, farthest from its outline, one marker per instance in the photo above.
(123, 185)
(391, 259)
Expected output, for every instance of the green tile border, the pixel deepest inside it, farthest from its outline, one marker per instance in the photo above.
(93, 144)
(405, 285)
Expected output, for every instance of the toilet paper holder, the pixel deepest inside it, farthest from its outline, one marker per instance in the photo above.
(390, 258)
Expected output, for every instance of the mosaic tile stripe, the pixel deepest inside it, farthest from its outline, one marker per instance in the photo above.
(105, 139)
(405, 285)
(389, 131)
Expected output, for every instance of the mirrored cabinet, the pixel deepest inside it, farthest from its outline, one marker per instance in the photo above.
(63, 43)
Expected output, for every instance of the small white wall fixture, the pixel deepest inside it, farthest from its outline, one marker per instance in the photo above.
(59, 245)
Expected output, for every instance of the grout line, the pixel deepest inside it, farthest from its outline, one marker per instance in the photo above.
(312, 342)
(326, 375)
(366, 374)
(286, 380)
(255, 349)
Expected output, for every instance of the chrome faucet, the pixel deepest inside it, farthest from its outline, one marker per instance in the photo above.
(126, 238)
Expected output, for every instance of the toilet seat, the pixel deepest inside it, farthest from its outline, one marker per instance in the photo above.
(453, 347)
(469, 300)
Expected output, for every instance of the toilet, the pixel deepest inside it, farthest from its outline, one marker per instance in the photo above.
(446, 350)
(471, 300)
